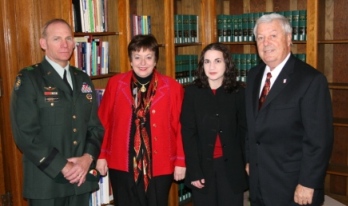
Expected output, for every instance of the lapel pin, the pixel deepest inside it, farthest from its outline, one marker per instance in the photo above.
(284, 81)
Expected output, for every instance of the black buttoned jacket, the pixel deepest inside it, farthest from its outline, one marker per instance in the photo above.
(204, 116)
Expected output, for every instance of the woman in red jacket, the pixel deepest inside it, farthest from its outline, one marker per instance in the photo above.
(142, 146)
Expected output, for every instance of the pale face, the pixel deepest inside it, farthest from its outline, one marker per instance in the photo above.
(143, 62)
(214, 68)
(273, 43)
(58, 43)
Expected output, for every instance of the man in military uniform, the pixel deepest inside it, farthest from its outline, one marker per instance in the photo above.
(55, 124)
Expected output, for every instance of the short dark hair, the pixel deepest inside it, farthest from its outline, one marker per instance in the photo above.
(229, 81)
(145, 42)
(52, 21)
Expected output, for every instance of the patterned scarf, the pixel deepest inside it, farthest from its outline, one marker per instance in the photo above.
(141, 104)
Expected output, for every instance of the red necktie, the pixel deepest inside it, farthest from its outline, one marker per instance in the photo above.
(265, 89)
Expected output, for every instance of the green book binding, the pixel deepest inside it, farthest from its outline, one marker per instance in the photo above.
(245, 20)
(295, 25)
(219, 19)
(302, 30)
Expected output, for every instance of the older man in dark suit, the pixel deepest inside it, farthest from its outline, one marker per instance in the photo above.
(55, 124)
(289, 118)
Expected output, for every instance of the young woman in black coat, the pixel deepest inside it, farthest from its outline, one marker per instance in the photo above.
(213, 128)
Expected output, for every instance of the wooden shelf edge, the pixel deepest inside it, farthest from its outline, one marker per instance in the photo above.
(336, 169)
(254, 42)
(188, 44)
(76, 34)
(110, 74)
(343, 86)
(343, 122)
(342, 41)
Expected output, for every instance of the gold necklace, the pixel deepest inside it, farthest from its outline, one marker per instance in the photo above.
(143, 88)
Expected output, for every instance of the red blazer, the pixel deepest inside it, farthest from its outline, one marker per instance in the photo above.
(115, 113)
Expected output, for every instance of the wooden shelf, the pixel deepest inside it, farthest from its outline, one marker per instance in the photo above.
(335, 169)
(343, 86)
(76, 34)
(342, 122)
(254, 42)
(103, 76)
(188, 44)
(343, 41)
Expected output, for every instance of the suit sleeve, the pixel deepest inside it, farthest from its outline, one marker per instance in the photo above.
(25, 119)
(176, 111)
(242, 124)
(317, 120)
(104, 112)
(190, 136)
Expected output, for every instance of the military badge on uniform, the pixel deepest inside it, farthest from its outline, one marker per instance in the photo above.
(50, 91)
(89, 97)
(18, 82)
(51, 94)
(86, 88)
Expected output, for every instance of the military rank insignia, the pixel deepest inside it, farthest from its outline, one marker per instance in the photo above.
(18, 82)
(87, 90)
(51, 94)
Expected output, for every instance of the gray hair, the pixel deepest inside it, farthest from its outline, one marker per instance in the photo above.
(267, 18)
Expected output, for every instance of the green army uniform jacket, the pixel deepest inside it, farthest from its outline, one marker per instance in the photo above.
(50, 125)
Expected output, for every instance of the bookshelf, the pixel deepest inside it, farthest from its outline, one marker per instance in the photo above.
(325, 48)
(332, 45)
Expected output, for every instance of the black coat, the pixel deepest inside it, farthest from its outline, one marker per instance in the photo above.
(290, 138)
(204, 115)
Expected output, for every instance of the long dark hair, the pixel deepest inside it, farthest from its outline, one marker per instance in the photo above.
(229, 82)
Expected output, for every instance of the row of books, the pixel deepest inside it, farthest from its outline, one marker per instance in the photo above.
(244, 62)
(185, 66)
(92, 55)
(99, 94)
(184, 193)
(239, 28)
(141, 24)
(90, 15)
(103, 195)
(186, 29)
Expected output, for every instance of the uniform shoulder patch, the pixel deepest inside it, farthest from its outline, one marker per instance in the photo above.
(18, 81)
(29, 68)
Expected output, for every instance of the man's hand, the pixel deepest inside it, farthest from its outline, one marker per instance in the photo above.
(179, 173)
(78, 169)
(303, 195)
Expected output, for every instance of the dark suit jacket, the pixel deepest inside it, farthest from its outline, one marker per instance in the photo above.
(204, 115)
(290, 138)
(49, 126)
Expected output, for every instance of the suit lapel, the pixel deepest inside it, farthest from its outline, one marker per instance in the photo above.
(162, 89)
(125, 87)
(282, 80)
